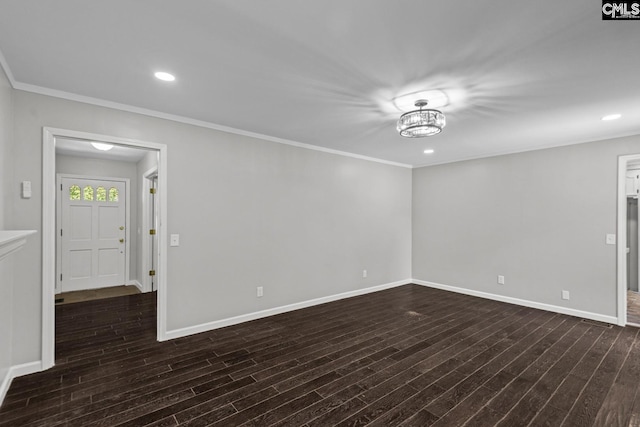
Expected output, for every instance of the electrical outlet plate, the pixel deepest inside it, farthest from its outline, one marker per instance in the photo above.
(259, 291)
(364, 273)
(565, 295)
(26, 189)
(500, 280)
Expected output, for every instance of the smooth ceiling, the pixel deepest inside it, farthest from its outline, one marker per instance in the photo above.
(519, 75)
(82, 148)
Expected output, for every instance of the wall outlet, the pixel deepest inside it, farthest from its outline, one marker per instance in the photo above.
(259, 291)
(500, 280)
(565, 295)
(364, 273)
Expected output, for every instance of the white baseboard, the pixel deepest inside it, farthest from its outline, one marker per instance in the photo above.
(17, 371)
(190, 330)
(5, 384)
(517, 301)
(136, 284)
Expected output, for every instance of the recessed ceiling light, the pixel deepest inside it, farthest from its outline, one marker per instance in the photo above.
(166, 77)
(611, 117)
(429, 151)
(102, 146)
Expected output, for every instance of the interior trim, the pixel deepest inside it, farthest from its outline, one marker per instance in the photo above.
(12, 240)
(204, 327)
(517, 301)
(621, 232)
(175, 118)
(186, 120)
(17, 371)
(49, 230)
(136, 284)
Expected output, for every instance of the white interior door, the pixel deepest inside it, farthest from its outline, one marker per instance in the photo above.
(92, 235)
(154, 224)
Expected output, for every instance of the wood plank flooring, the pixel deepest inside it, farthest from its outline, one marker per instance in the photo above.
(408, 356)
(633, 308)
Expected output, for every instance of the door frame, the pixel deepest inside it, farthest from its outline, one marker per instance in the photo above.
(621, 248)
(146, 243)
(49, 135)
(127, 223)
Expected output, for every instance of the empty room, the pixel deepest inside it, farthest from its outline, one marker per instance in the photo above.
(297, 213)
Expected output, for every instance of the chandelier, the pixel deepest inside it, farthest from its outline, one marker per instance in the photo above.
(421, 122)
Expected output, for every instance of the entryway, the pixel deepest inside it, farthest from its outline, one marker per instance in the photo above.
(95, 221)
(95, 294)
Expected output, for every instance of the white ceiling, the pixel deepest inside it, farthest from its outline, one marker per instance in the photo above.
(519, 75)
(82, 148)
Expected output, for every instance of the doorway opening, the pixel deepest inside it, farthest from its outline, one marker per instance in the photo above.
(632, 191)
(628, 233)
(96, 222)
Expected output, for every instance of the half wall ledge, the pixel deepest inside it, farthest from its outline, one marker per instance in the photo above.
(13, 240)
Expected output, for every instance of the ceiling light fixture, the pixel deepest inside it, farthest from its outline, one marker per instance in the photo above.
(101, 146)
(421, 122)
(429, 151)
(611, 117)
(165, 77)
(437, 99)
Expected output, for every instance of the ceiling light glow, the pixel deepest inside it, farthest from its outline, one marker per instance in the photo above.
(165, 77)
(437, 99)
(101, 146)
(611, 117)
(429, 151)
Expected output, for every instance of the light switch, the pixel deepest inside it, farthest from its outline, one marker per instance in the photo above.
(611, 239)
(175, 240)
(26, 189)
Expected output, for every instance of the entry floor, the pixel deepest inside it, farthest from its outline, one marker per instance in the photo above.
(410, 356)
(93, 294)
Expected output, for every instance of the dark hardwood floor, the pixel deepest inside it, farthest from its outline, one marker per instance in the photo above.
(409, 356)
(633, 308)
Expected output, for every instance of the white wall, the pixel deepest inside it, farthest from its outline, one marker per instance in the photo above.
(6, 273)
(110, 169)
(303, 224)
(6, 138)
(538, 218)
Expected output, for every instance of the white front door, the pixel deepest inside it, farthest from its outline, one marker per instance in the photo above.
(92, 235)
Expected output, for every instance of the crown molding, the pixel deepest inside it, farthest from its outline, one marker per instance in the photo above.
(176, 118)
(7, 71)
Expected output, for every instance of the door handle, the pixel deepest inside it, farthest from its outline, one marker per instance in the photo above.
(121, 240)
